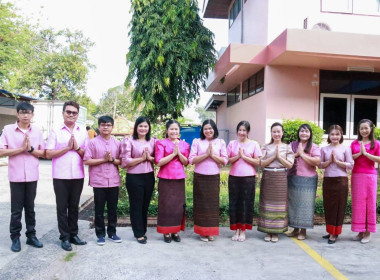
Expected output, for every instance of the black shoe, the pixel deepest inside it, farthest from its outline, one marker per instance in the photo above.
(331, 241)
(33, 241)
(327, 236)
(75, 240)
(16, 245)
(176, 238)
(65, 245)
(141, 241)
(167, 239)
(146, 238)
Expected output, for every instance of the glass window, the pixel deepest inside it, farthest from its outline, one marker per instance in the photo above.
(366, 7)
(364, 109)
(335, 112)
(337, 6)
(245, 89)
(233, 96)
(235, 10)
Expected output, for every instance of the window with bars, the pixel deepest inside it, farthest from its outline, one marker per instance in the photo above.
(253, 85)
(233, 96)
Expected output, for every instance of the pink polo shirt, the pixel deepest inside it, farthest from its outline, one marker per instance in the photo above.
(362, 163)
(130, 149)
(70, 164)
(208, 166)
(105, 175)
(241, 168)
(174, 168)
(22, 167)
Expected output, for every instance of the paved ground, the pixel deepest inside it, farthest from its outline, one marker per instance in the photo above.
(190, 259)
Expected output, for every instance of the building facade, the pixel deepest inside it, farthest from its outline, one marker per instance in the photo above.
(317, 60)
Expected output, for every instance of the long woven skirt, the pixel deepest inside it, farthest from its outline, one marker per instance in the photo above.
(241, 191)
(171, 205)
(363, 196)
(206, 204)
(335, 192)
(273, 216)
(301, 199)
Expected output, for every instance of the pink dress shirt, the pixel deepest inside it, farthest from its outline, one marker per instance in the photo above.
(241, 168)
(208, 166)
(301, 167)
(70, 164)
(342, 153)
(105, 175)
(174, 168)
(22, 167)
(362, 163)
(130, 149)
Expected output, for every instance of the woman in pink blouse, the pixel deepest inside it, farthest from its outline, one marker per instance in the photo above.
(171, 154)
(243, 155)
(207, 153)
(137, 155)
(302, 182)
(335, 159)
(365, 151)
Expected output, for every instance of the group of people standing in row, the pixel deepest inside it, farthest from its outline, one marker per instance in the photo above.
(287, 191)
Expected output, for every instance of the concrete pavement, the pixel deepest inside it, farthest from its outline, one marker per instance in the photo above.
(190, 259)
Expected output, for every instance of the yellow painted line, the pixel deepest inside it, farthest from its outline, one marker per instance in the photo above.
(319, 259)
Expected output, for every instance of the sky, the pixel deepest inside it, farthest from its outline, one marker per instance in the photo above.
(106, 24)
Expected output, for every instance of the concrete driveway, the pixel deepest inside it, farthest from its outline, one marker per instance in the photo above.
(190, 259)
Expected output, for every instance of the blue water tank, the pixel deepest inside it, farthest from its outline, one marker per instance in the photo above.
(189, 133)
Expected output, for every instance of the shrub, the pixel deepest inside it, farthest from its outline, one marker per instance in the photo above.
(291, 128)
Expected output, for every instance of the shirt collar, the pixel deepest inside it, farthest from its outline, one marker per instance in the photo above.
(76, 127)
(17, 127)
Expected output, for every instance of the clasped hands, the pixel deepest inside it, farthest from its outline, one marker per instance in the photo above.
(73, 145)
(26, 143)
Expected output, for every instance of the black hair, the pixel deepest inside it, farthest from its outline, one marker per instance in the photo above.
(371, 136)
(168, 124)
(214, 127)
(245, 124)
(138, 121)
(334, 127)
(88, 128)
(24, 106)
(105, 119)
(282, 128)
(71, 103)
(310, 140)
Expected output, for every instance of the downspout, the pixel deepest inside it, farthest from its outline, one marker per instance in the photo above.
(242, 22)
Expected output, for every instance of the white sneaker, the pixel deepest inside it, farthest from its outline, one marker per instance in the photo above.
(203, 238)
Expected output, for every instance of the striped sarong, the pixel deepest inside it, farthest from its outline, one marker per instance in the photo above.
(273, 203)
(301, 199)
(335, 192)
(206, 204)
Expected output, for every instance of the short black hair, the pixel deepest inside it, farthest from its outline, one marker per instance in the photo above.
(139, 120)
(24, 106)
(214, 127)
(245, 124)
(70, 103)
(168, 124)
(88, 128)
(105, 119)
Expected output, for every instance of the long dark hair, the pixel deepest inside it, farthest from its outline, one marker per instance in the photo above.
(139, 120)
(245, 124)
(310, 140)
(282, 128)
(371, 136)
(168, 124)
(334, 127)
(214, 127)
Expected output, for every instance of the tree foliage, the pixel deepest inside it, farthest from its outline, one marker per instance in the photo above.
(169, 57)
(204, 115)
(291, 128)
(46, 63)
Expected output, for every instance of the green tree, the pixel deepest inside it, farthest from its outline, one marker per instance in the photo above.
(169, 57)
(117, 101)
(291, 128)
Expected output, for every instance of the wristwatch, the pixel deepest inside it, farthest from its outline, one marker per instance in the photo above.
(31, 149)
(113, 159)
(77, 150)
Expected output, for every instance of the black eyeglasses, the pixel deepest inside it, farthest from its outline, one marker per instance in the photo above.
(71, 112)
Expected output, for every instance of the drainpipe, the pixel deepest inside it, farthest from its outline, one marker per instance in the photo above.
(242, 22)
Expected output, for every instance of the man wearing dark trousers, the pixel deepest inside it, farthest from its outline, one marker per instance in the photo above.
(66, 146)
(23, 143)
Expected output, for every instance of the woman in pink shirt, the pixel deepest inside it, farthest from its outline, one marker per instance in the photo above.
(302, 182)
(365, 151)
(137, 154)
(171, 154)
(207, 153)
(243, 155)
(335, 159)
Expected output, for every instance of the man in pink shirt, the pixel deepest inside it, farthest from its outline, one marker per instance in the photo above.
(103, 157)
(23, 143)
(66, 146)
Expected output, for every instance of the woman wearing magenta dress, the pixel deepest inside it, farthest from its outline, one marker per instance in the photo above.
(171, 154)
(207, 153)
(244, 154)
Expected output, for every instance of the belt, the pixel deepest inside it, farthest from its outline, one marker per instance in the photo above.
(275, 169)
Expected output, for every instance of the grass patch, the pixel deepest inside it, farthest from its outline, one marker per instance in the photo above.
(69, 256)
